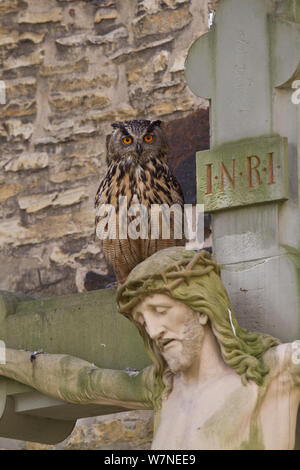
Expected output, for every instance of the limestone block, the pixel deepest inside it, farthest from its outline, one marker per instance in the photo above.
(12, 37)
(37, 202)
(162, 22)
(174, 3)
(50, 276)
(75, 173)
(16, 129)
(23, 86)
(170, 89)
(36, 38)
(50, 16)
(36, 58)
(148, 6)
(75, 40)
(85, 221)
(9, 190)
(160, 61)
(153, 6)
(178, 65)
(78, 84)
(28, 161)
(106, 3)
(134, 76)
(127, 51)
(132, 430)
(10, 6)
(66, 103)
(57, 256)
(143, 76)
(112, 37)
(72, 67)
(8, 36)
(61, 258)
(111, 116)
(87, 38)
(18, 108)
(70, 197)
(3, 131)
(105, 14)
(13, 233)
(169, 107)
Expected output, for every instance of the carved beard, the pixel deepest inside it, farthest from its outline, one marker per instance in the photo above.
(181, 355)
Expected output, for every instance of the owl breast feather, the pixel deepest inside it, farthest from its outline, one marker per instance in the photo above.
(149, 184)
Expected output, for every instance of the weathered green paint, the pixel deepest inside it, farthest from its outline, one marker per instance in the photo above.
(83, 325)
(87, 326)
(255, 441)
(243, 173)
(290, 9)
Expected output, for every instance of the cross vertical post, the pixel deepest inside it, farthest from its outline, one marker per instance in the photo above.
(246, 65)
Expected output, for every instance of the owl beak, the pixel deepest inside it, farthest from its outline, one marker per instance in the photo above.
(139, 148)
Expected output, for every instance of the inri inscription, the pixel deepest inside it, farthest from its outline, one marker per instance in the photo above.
(242, 173)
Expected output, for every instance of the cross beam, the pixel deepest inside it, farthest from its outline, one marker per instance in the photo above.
(83, 325)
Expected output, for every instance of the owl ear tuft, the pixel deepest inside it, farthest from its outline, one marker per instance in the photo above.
(116, 125)
(154, 124)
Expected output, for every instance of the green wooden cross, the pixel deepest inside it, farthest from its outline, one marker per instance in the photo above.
(82, 325)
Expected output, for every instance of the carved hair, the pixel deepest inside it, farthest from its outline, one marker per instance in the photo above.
(194, 279)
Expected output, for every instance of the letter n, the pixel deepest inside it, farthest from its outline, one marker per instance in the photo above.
(224, 171)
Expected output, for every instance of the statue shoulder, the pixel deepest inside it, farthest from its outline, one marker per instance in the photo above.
(285, 359)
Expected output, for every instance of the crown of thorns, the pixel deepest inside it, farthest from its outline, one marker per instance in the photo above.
(163, 272)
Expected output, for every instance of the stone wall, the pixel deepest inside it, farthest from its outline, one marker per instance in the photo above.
(132, 430)
(70, 68)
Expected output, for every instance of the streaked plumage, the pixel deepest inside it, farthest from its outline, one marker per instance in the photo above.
(140, 172)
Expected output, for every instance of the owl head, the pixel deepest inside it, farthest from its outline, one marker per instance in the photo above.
(136, 141)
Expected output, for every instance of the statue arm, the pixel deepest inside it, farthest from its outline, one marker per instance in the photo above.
(74, 380)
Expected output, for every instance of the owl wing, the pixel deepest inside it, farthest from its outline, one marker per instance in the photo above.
(167, 191)
(176, 191)
(122, 254)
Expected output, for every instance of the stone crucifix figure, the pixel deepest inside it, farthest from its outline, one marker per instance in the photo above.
(212, 385)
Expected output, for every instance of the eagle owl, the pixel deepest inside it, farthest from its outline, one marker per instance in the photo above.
(138, 169)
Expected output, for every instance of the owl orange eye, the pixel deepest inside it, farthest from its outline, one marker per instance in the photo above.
(148, 138)
(127, 140)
